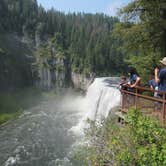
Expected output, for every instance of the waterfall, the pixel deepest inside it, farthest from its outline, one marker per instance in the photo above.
(102, 95)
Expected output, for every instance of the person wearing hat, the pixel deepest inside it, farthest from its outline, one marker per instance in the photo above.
(160, 76)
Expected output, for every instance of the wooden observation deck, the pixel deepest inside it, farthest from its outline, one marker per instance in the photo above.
(143, 99)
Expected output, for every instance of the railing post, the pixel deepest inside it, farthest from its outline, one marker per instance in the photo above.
(136, 98)
(122, 100)
(163, 109)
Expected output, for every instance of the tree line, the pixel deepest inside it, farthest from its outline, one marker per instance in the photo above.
(143, 32)
(93, 42)
(84, 39)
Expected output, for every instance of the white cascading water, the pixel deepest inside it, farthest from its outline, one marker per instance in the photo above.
(102, 95)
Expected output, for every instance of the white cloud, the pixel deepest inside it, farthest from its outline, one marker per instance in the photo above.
(114, 6)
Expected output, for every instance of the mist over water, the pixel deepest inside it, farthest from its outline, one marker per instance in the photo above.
(41, 136)
(45, 135)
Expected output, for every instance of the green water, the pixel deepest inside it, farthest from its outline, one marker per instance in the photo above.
(13, 103)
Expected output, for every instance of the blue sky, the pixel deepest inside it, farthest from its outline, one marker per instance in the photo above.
(108, 7)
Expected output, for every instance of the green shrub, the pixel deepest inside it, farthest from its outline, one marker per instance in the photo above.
(141, 142)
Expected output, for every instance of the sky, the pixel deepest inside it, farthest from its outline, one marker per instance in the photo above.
(108, 7)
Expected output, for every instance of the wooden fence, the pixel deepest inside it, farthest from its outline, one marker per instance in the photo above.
(143, 99)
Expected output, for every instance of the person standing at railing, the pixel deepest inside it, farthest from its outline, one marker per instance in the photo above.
(160, 76)
(135, 79)
(154, 86)
(152, 83)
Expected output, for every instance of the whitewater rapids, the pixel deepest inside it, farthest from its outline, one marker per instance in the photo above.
(43, 135)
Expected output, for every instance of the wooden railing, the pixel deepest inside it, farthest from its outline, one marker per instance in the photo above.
(143, 99)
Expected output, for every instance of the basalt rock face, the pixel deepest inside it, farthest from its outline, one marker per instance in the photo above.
(54, 74)
(64, 78)
(61, 76)
(20, 68)
(81, 81)
(51, 69)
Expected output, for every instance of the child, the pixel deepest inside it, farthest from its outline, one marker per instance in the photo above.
(123, 82)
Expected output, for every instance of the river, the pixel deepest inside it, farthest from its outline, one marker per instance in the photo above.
(42, 135)
(46, 134)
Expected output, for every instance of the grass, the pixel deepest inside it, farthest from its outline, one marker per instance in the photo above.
(4, 117)
(12, 104)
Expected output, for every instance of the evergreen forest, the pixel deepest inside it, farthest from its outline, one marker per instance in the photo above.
(87, 43)
(28, 33)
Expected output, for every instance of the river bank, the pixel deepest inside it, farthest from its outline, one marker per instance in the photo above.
(12, 104)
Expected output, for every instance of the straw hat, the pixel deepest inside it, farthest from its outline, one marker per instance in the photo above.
(163, 61)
